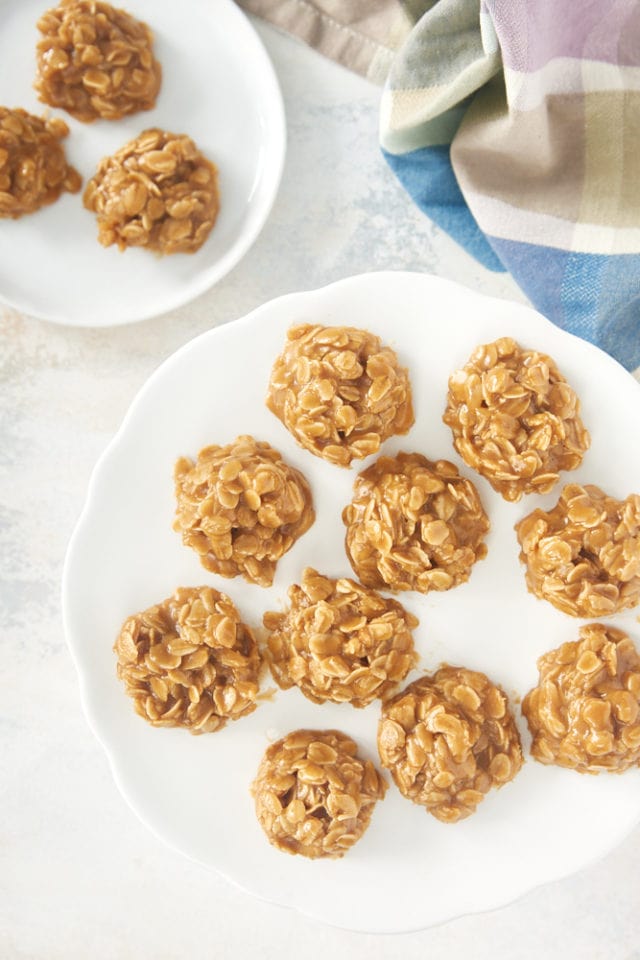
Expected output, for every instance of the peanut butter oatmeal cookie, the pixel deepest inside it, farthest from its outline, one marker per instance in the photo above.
(583, 556)
(447, 740)
(314, 795)
(414, 524)
(241, 508)
(340, 641)
(340, 392)
(33, 167)
(96, 61)
(158, 191)
(515, 419)
(189, 661)
(585, 711)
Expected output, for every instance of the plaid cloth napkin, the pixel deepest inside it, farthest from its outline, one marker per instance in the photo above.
(515, 125)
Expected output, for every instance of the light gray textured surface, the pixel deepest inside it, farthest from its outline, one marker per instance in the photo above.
(79, 875)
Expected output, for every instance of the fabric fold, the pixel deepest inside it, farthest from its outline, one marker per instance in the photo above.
(515, 125)
(362, 35)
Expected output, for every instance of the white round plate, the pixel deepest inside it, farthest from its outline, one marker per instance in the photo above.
(409, 871)
(218, 86)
